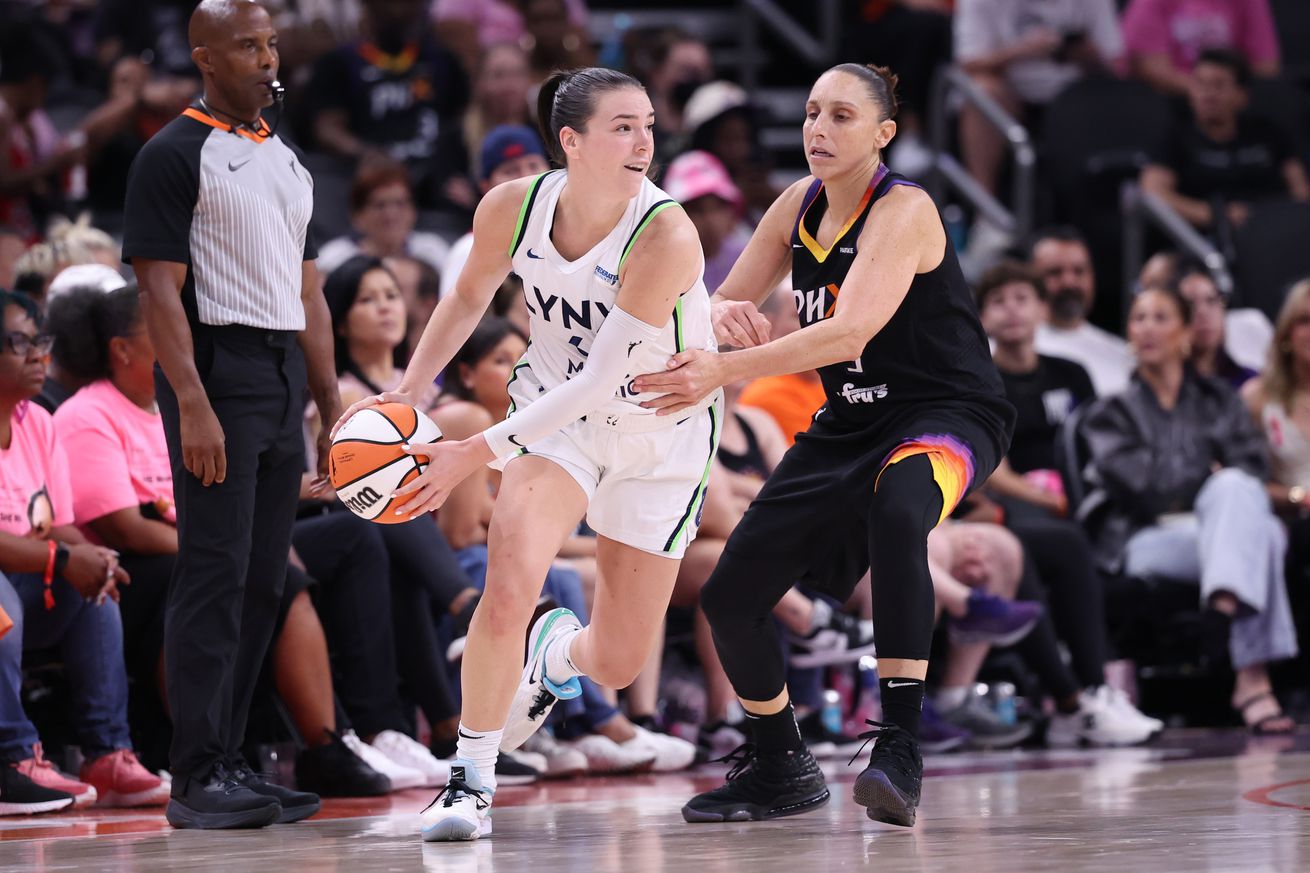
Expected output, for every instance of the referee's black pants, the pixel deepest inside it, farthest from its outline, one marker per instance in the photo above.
(233, 539)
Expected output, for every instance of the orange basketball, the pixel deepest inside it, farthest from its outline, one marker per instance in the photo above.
(368, 461)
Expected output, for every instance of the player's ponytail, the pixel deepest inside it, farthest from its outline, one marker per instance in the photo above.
(568, 98)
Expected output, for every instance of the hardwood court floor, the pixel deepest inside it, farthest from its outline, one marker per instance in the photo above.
(1196, 802)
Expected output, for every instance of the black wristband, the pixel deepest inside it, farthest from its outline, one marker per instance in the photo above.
(61, 558)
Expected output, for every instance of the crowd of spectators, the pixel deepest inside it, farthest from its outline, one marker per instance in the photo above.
(1172, 450)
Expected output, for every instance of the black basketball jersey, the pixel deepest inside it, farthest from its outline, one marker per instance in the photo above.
(933, 350)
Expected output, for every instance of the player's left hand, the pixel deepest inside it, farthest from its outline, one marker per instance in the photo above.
(449, 462)
(689, 377)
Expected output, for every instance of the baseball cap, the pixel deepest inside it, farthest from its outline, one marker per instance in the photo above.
(711, 100)
(696, 174)
(96, 276)
(505, 143)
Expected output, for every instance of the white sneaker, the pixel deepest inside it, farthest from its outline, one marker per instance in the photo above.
(1096, 723)
(536, 695)
(720, 741)
(561, 761)
(401, 777)
(606, 756)
(671, 753)
(406, 752)
(461, 810)
(1119, 700)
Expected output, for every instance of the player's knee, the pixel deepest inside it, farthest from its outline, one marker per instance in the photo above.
(503, 617)
(620, 669)
(898, 521)
(720, 599)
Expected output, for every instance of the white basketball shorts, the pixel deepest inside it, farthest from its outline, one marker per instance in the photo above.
(645, 488)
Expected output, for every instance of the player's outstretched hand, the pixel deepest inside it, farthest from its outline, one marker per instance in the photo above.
(690, 376)
(373, 400)
(449, 462)
(738, 323)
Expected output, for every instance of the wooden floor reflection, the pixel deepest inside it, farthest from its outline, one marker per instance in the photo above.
(1197, 802)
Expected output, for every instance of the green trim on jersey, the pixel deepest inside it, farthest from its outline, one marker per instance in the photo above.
(646, 219)
(525, 209)
(698, 495)
(514, 374)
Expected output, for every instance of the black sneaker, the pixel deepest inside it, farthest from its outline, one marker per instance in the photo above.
(889, 787)
(220, 803)
(296, 805)
(19, 795)
(822, 742)
(761, 785)
(333, 770)
(840, 639)
(511, 771)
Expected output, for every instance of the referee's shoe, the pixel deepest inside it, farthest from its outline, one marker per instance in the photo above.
(220, 802)
(296, 805)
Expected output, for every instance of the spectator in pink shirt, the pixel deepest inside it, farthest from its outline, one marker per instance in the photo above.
(1165, 38)
(60, 591)
(112, 426)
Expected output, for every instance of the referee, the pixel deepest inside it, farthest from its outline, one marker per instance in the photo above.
(217, 230)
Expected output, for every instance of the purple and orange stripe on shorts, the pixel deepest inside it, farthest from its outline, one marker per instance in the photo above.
(952, 465)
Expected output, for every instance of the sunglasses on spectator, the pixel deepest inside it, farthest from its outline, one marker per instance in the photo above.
(22, 344)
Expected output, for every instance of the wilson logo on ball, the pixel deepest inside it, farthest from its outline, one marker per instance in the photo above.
(369, 461)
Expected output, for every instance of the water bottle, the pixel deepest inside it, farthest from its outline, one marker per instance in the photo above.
(1002, 699)
(957, 226)
(830, 715)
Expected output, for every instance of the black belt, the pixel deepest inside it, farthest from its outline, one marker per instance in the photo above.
(279, 339)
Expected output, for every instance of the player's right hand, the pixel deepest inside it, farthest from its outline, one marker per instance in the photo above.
(738, 323)
(373, 400)
(203, 451)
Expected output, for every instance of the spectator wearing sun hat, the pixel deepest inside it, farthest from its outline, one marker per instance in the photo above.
(510, 151)
(720, 119)
(699, 181)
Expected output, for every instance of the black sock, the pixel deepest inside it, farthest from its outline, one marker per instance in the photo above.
(777, 732)
(902, 702)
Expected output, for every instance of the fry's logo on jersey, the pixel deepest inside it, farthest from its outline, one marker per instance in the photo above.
(817, 303)
(853, 393)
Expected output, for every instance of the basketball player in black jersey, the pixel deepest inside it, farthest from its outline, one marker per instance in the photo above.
(915, 417)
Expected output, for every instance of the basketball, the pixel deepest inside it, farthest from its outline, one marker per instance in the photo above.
(369, 462)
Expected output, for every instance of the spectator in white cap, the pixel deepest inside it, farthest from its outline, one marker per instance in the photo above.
(720, 119)
(699, 181)
(97, 276)
(73, 293)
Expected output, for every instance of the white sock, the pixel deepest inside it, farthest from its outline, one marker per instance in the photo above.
(821, 615)
(949, 698)
(481, 748)
(559, 663)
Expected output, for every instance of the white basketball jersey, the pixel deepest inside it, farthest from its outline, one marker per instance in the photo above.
(568, 300)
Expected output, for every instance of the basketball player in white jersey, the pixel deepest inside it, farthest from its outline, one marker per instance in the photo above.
(612, 272)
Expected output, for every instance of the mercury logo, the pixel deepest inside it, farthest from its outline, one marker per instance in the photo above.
(363, 499)
(852, 393)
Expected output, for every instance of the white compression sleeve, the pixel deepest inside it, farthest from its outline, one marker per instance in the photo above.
(611, 361)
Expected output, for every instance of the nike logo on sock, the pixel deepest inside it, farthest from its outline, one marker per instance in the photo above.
(893, 684)
(470, 736)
